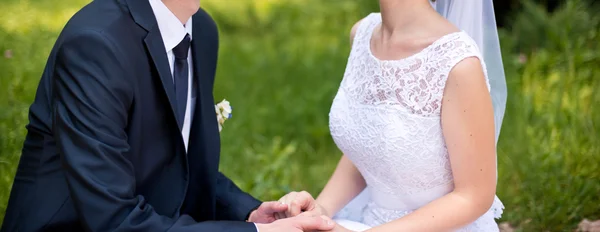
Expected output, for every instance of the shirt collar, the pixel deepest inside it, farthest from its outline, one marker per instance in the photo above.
(171, 29)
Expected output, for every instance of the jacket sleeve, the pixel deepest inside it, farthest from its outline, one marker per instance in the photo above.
(91, 99)
(233, 203)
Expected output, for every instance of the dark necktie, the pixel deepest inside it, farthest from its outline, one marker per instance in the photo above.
(180, 77)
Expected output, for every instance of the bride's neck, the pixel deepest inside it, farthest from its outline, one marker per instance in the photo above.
(403, 15)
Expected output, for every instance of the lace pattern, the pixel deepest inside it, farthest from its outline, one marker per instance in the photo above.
(415, 83)
(386, 119)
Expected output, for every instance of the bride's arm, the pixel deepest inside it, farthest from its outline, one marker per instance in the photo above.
(468, 129)
(345, 184)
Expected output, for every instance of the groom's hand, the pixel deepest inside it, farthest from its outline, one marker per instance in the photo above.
(298, 203)
(299, 224)
(266, 212)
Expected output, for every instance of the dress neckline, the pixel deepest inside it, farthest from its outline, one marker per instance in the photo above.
(371, 31)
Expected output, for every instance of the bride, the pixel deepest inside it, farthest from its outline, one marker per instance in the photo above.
(416, 121)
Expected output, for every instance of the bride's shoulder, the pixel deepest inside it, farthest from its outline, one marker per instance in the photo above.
(456, 44)
(356, 25)
(464, 37)
(462, 57)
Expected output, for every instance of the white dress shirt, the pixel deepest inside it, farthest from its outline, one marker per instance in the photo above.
(172, 32)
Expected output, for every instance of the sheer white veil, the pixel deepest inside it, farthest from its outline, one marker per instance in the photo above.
(477, 19)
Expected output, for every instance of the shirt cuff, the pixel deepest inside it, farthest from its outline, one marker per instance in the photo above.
(256, 227)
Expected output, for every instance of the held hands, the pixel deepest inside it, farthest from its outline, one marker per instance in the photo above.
(300, 203)
(295, 212)
(267, 212)
(299, 224)
(265, 218)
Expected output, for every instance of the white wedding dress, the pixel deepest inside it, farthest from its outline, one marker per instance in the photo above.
(386, 119)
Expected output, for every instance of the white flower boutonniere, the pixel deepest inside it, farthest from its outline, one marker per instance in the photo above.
(223, 110)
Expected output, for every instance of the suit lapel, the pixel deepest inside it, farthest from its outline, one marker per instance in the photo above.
(157, 51)
(143, 15)
(204, 59)
(204, 143)
(204, 134)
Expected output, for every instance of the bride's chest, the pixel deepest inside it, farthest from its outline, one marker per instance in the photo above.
(415, 86)
(381, 128)
(383, 106)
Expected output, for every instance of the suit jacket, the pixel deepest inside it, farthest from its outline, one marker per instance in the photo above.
(104, 151)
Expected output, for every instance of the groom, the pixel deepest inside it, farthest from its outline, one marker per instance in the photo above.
(123, 134)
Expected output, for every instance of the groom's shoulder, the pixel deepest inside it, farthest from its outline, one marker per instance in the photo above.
(203, 19)
(102, 16)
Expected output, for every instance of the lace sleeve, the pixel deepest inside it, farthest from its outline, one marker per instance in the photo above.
(362, 28)
(461, 50)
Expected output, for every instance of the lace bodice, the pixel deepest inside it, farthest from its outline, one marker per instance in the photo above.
(386, 119)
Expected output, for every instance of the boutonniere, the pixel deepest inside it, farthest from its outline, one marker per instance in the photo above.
(223, 110)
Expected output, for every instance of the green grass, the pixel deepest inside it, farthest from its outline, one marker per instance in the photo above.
(281, 62)
(27, 30)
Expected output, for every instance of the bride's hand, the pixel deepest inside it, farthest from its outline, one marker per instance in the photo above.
(300, 202)
(339, 228)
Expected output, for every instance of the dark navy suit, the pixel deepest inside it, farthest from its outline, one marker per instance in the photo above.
(104, 151)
